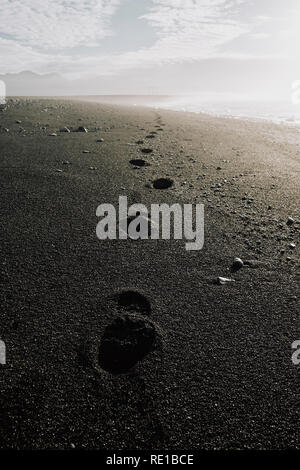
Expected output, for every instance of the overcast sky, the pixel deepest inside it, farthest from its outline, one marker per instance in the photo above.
(159, 45)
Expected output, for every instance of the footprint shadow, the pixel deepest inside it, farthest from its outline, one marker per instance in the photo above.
(125, 342)
(134, 301)
(139, 162)
(163, 183)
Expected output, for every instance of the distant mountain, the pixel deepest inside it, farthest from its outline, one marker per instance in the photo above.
(28, 75)
(33, 84)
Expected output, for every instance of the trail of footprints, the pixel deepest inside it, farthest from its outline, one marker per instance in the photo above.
(160, 183)
(130, 337)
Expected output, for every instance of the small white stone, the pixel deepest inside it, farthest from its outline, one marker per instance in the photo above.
(224, 280)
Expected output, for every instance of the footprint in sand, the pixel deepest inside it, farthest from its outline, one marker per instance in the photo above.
(163, 183)
(139, 162)
(134, 301)
(125, 342)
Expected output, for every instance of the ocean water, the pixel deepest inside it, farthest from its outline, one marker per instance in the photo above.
(281, 112)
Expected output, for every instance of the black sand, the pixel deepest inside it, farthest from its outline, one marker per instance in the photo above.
(217, 370)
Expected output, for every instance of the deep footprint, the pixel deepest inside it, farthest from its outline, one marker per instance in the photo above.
(134, 301)
(163, 183)
(126, 341)
(139, 162)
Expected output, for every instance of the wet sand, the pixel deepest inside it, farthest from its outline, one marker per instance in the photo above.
(211, 364)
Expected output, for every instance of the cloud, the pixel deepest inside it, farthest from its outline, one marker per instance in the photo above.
(193, 28)
(16, 57)
(186, 30)
(57, 25)
(39, 36)
(260, 35)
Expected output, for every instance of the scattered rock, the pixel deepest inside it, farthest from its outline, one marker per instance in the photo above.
(100, 140)
(290, 221)
(224, 280)
(53, 134)
(82, 129)
(237, 264)
(64, 129)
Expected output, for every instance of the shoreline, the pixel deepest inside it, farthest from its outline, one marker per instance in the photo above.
(147, 102)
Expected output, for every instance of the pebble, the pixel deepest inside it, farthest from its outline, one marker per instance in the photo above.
(224, 280)
(53, 134)
(82, 129)
(237, 264)
(64, 129)
(290, 221)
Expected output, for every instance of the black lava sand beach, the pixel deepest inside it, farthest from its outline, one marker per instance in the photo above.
(206, 363)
